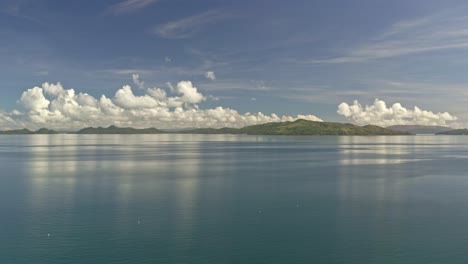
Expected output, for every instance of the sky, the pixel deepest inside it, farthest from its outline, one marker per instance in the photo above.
(216, 63)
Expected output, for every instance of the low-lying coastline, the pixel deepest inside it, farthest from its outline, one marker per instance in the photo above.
(298, 127)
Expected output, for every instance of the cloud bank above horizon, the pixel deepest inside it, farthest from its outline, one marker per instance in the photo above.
(379, 114)
(51, 105)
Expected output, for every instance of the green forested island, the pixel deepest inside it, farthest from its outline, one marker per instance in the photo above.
(298, 127)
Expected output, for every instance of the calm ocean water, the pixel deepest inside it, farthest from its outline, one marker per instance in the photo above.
(233, 199)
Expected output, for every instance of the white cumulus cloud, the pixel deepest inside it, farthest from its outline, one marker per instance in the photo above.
(34, 100)
(379, 114)
(6, 121)
(52, 106)
(189, 92)
(137, 81)
(210, 75)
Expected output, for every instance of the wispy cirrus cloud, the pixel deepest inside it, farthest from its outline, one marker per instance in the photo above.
(129, 6)
(14, 8)
(412, 88)
(41, 73)
(189, 26)
(125, 72)
(441, 32)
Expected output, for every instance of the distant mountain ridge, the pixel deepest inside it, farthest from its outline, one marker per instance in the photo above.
(302, 127)
(25, 131)
(298, 127)
(418, 129)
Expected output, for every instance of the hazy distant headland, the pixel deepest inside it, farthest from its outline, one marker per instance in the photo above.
(119, 130)
(454, 132)
(418, 129)
(298, 127)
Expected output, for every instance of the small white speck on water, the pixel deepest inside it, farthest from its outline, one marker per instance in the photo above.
(48, 235)
(139, 222)
(297, 205)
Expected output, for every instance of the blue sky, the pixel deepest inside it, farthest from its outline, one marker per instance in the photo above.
(283, 57)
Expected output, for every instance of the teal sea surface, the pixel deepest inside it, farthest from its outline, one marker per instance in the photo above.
(233, 199)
